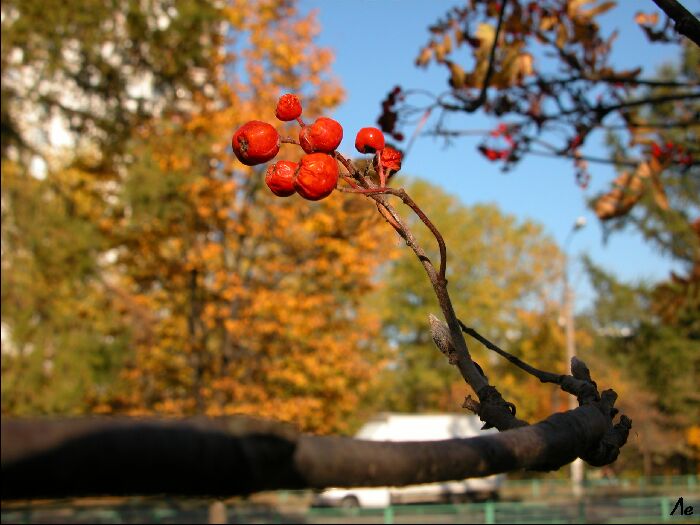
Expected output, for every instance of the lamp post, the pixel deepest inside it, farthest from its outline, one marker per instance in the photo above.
(570, 332)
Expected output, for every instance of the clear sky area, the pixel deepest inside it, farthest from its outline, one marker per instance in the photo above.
(375, 44)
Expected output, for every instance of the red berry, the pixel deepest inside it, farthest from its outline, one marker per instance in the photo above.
(316, 177)
(575, 142)
(369, 140)
(322, 136)
(288, 107)
(390, 159)
(280, 178)
(255, 142)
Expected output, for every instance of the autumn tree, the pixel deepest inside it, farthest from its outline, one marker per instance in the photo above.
(214, 298)
(183, 349)
(634, 332)
(72, 90)
(544, 72)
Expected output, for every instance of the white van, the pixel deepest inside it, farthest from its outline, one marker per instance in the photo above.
(410, 427)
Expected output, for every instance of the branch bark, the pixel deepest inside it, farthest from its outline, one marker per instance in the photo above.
(686, 24)
(237, 455)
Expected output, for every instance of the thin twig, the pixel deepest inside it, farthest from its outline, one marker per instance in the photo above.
(579, 383)
(545, 377)
(479, 101)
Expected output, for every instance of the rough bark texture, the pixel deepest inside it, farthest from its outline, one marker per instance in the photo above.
(237, 455)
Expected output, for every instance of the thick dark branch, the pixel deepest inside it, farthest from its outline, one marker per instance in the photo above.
(231, 456)
(686, 24)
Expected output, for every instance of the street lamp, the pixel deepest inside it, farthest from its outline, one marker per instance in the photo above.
(570, 331)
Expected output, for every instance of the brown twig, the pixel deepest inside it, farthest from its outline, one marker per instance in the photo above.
(545, 377)
(469, 372)
(578, 383)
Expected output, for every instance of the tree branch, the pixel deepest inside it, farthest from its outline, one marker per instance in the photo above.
(686, 24)
(479, 101)
(237, 455)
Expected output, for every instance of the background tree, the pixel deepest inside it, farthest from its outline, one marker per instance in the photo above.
(227, 301)
(636, 334)
(96, 69)
(496, 261)
(73, 89)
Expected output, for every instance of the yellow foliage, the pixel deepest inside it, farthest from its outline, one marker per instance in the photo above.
(257, 300)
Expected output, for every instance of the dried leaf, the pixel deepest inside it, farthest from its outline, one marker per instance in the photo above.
(486, 33)
(598, 9)
(447, 44)
(458, 76)
(646, 19)
(424, 57)
(525, 64)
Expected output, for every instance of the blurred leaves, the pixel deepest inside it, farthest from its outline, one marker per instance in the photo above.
(144, 269)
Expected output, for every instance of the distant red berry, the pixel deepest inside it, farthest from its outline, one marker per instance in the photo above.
(317, 176)
(288, 107)
(501, 129)
(280, 178)
(655, 150)
(575, 142)
(369, 140)
(390, 159)
(323, 136)
(494, 154)
(255, 142)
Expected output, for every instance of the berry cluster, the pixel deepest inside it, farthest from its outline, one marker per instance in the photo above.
(493, 153)
(316, 175)
(671, 152)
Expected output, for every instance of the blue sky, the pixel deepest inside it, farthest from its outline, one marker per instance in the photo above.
(375, 43)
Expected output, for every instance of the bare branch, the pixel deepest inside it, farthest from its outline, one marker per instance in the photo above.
(479, 101)
(234, 456)
(686, 24)
(579, 383)
(545, 377)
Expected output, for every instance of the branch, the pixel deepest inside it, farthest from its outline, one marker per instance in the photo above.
(45, 458)
(479, 101)
(493, 410)
(469, 372)
(545, 377)
(579, 383)
(686, 24)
